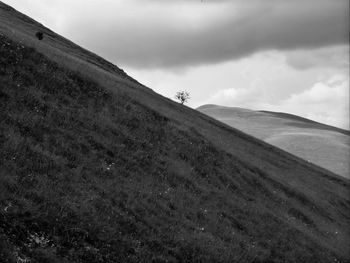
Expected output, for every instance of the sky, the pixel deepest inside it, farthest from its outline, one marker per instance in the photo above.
(277, 55)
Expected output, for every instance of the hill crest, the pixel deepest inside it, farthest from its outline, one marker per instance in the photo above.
(324, 145)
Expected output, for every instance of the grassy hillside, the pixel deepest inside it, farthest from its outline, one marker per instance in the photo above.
(98, 168)
(323, 145)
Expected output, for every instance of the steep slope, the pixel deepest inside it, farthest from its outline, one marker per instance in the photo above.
(95, 167)
(323, 145)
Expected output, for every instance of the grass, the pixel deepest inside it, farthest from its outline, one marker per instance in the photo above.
(90, 175)
(323, 145)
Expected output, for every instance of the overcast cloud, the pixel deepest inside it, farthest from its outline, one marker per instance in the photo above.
(178, 33)
(204, 32)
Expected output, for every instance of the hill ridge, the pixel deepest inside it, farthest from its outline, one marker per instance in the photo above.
(277, 114)
(307, 139)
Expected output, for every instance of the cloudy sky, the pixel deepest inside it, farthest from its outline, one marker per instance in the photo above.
(279, 55)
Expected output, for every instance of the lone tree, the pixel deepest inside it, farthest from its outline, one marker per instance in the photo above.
(182, 96)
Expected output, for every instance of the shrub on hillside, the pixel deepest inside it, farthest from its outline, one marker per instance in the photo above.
(39, 35)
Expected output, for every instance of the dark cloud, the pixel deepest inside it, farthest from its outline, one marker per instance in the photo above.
(179, 33)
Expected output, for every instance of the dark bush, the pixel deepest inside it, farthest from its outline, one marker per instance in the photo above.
(39, 35)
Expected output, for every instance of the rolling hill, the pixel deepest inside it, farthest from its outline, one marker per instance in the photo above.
(323, 145)
(96, 167)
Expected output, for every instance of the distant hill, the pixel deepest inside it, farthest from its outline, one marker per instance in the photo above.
(95, 167)
(323, 145)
